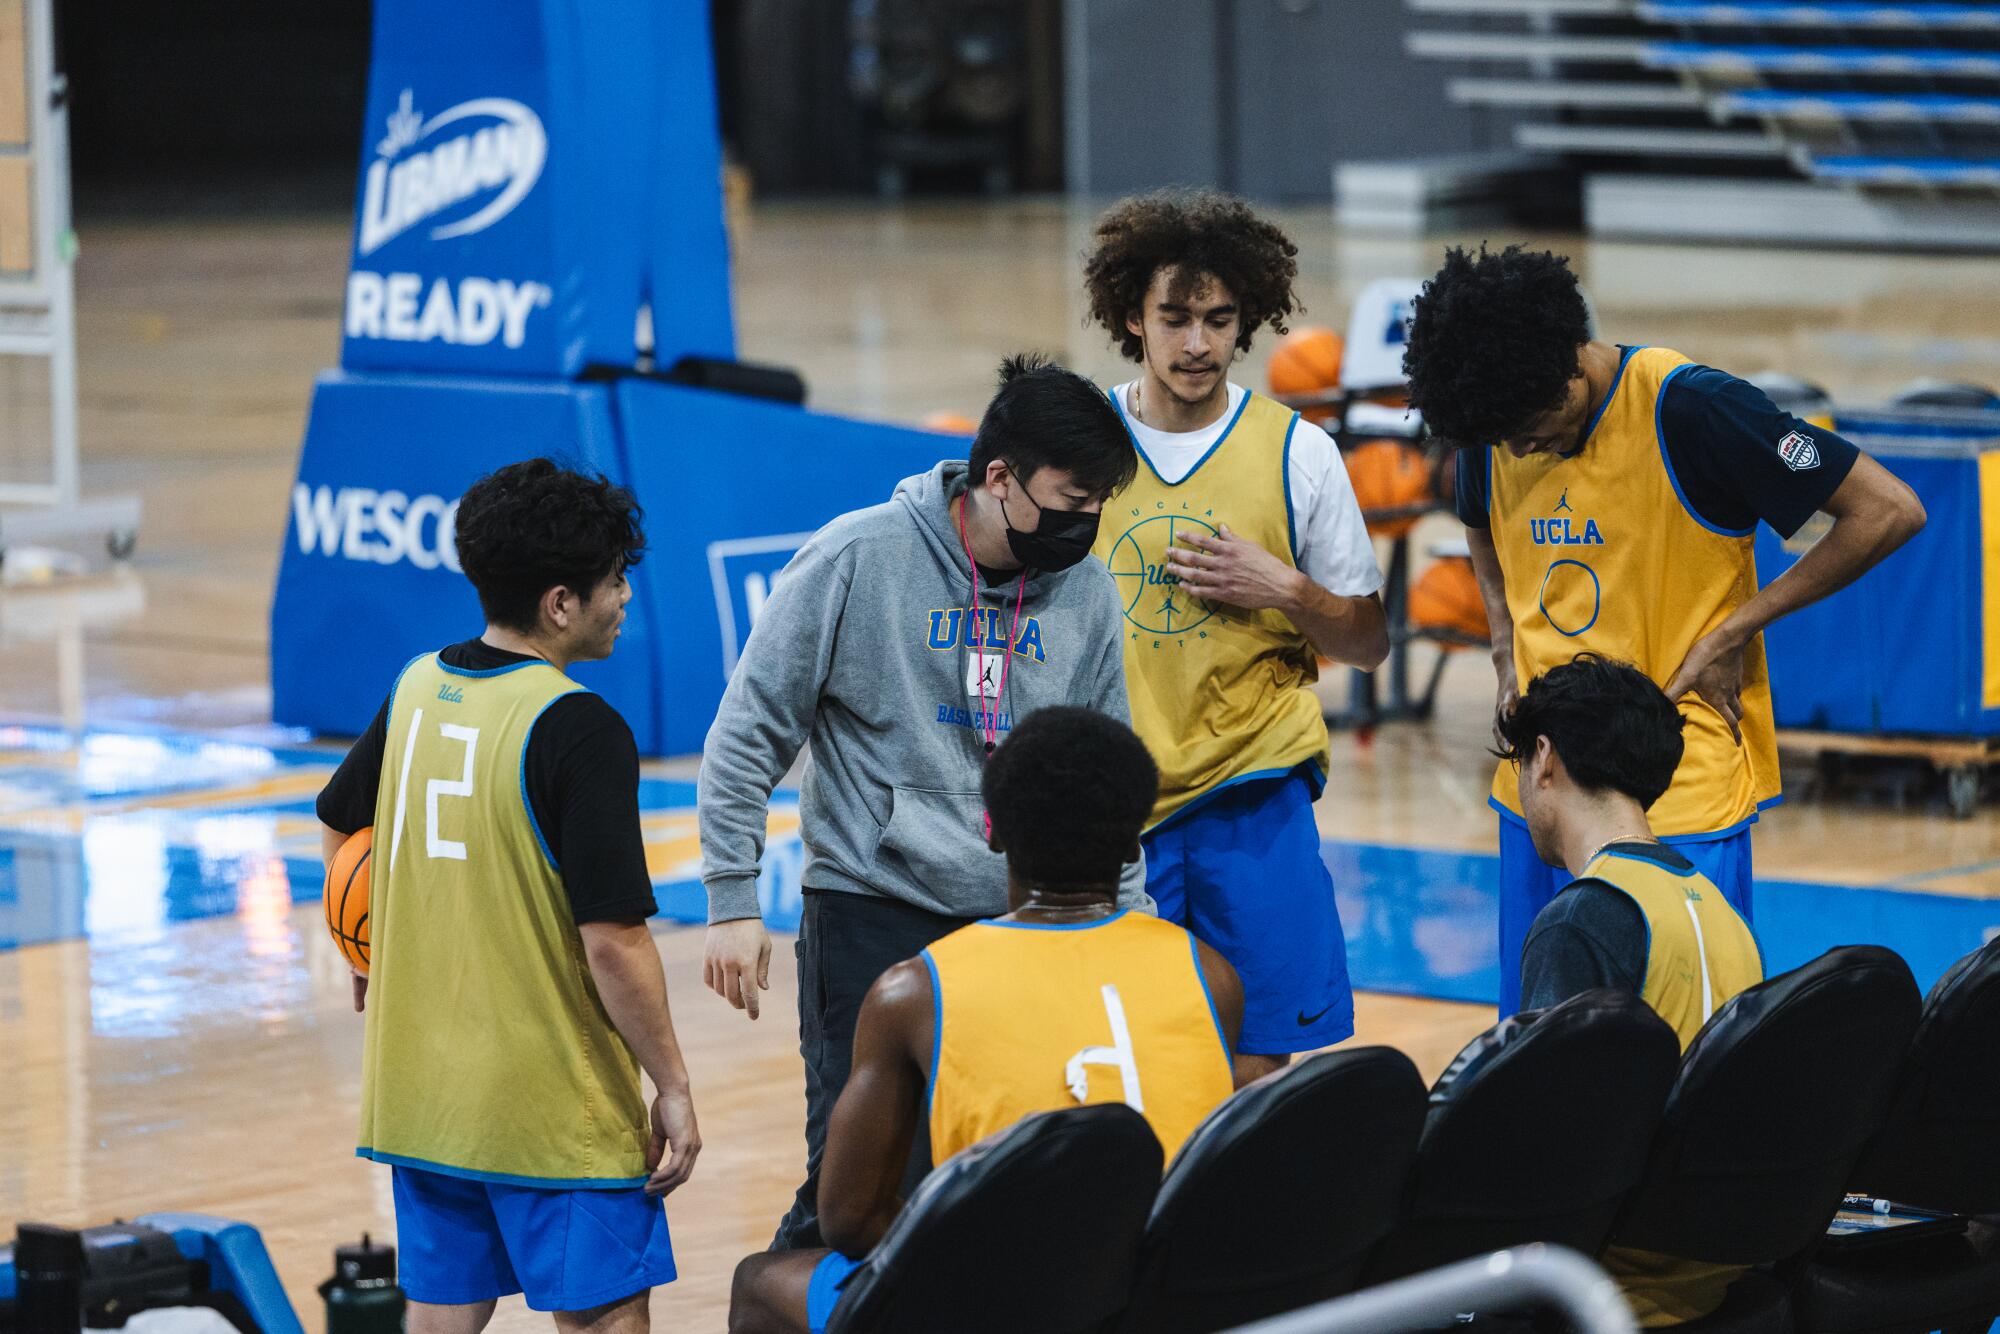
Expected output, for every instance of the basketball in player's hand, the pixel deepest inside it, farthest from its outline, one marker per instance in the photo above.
(347, 898)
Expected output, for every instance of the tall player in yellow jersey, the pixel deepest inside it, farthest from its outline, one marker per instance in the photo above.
(1241, 560)
(1067, 999)
(1594, 744)
(1610, 494)
(515, 993)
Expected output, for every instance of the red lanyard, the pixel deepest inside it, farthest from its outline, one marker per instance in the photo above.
(989, 721)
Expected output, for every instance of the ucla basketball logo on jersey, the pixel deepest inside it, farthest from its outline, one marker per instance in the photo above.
(977, 627)
(1157, 608)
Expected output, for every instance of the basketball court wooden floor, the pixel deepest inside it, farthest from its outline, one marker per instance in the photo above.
(180, 1038)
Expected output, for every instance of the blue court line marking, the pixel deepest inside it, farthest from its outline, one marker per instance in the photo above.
(1419, 921)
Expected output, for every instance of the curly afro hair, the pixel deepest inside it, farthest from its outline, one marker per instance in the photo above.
(1195, 233)
(1068, 792)
(534, 525)
(1494, 342)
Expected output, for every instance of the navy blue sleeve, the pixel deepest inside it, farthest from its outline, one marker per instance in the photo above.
(1468, 493)
(1737, 457)
(1590, 935)
(347, 802)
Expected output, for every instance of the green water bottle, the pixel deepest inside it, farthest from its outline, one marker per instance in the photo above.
(362, 1296)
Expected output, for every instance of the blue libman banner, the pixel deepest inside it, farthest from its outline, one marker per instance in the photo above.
(369, 577)
(733, 487)
(1907, 647)
(509, 179)
(687, 248)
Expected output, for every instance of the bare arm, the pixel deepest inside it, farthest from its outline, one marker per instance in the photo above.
(1231, 569)
(1225, 989)
(1874, 513)
(625, 965)
(1499, 620)
(868, 1137)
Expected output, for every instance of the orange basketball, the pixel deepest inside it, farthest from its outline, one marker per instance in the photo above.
(346, 900)
(1307, 361)
(950, 423)
(1446, 598)
(1388, 475)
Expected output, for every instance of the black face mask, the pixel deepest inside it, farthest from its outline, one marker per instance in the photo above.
(1063, 538)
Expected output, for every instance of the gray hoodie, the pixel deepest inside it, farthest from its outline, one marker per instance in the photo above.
(862, 648)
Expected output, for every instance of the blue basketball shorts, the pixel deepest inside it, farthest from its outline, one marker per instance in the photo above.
(829, 1278)
(1242, 871)
(1527, 883)
(464, 1241)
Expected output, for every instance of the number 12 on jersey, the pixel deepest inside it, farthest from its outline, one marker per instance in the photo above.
(435, 845)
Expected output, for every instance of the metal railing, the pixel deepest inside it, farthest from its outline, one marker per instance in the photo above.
(1527, 1275)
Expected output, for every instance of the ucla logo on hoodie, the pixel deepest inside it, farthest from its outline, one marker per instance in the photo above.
(979, 626)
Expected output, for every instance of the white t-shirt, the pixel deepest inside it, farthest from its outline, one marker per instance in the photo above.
(1334, 547)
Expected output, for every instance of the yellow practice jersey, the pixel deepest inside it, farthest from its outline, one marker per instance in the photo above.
(1032, 1017)
(1218, 694)
(1699, 953)
(488, 1052)
(1600, 553)
(1699, 950)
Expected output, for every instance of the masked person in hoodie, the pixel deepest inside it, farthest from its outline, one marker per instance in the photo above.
(902, 641)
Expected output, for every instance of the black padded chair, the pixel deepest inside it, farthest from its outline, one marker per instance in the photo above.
(1939, 1149)
(1277, 1199)
(1535, 1133)
(1037, 1229)
(1776, 1098)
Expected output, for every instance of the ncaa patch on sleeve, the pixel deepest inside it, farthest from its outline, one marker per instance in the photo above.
(1799, 452)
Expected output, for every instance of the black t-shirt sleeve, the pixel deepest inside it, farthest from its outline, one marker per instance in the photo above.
(582, 777)
(347, 802)
(1590, 935)
(1469, 489)
(1738, 457)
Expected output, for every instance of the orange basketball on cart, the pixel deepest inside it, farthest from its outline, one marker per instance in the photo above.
(346, 898)
(1307, 361)
(1389, 475)
(950, 423)
(1445, 599)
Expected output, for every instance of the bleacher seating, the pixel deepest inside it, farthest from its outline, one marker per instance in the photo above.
(1863, 98)
(1921, 171)
(1831, 14)
(1836, 106)
(1719, 58)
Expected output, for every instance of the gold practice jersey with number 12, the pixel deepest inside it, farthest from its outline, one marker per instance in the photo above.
(1600, 552)
(1219, 695)
(488, 1052)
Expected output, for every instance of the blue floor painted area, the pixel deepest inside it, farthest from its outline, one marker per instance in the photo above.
(117, 834)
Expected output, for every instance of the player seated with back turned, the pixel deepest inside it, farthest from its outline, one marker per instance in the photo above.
(1028, 1005)
(1597, 743)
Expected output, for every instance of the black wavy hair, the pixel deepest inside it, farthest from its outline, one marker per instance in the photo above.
(1610, 724)
(1047, 417)
(1494, 343)
(1068, 792)
(1192, 232)
(531, 526)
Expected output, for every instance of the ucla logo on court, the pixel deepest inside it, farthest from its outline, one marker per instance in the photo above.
(1152, 595)
(979, 626)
